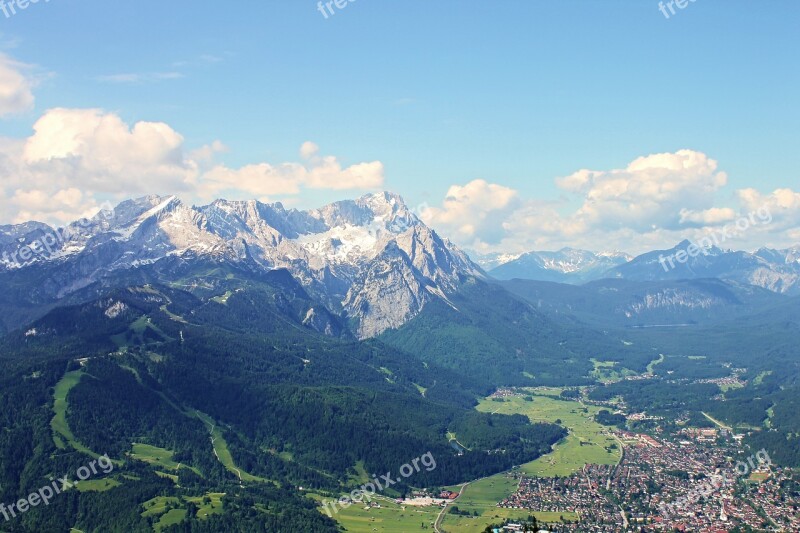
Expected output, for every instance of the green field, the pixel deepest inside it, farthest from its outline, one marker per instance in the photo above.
(158, 457)
(154, 455)
(221, 449)
(172, 315)
(609, 371)
(207, 505)
(171, 517)
(730, 386)
(587, 443)
(158, 505)
(97, 485)
(390, 518)
(171, 477)
(172, 510)
(651, 367)
(222, 299)
(138, 327)
(470, 524)
(717, 422)
(546, 391)
(62, 434)
(759, 379)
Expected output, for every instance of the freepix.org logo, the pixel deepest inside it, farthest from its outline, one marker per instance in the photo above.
(51, 241)
(368, 490)
(668, 8)
(102, 464)
(327, 8)
(717, 238)
(10, 7)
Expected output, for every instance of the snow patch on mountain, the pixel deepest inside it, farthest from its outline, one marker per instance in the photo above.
(370, 259)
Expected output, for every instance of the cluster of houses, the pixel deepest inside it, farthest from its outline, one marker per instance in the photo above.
(685, 482)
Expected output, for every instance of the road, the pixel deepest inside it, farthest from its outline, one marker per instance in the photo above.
(213, 438)
(443, 512)
(447, 505)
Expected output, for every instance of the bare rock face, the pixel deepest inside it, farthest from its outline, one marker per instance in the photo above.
(371, 259)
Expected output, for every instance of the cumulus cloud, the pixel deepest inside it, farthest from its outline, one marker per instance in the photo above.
(782, 204)
(655, 201)
(650, 191)
(16, 88)
(259, 180)
(475, 211)
(61, 206)
(265, 180)
(98, 151)
(707, 217)
(76, 156)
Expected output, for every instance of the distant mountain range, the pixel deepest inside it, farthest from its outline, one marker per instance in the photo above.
(564, 266)
(776, 270)
(626, 303)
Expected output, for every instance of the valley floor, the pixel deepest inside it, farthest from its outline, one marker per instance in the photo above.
(600, 479)
(477, 506)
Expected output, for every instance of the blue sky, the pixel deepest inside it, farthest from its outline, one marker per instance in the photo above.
(515, 93)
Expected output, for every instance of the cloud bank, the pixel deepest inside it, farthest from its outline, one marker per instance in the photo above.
(655, 201)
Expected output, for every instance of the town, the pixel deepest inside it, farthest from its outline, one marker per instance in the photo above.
(693, 480)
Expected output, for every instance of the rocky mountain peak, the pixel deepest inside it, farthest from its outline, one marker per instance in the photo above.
(349, 255)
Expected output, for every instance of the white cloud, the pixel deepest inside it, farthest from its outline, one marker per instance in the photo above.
(262, 180)
(707, 217)
(327, 173)
(650, 191)
(476, 210)
(16, 88)
(76, 156)
(206, 153)
(97, 151)
(265, 180)
(308, 150)
(61, 206)
(655, 201)
(778, 200)
(783, 205)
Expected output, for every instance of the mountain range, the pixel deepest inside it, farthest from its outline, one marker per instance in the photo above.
(567, 265)
(776, 270)
(370, 260)
(366, 266)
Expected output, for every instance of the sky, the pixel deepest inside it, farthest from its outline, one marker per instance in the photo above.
(508, 126)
